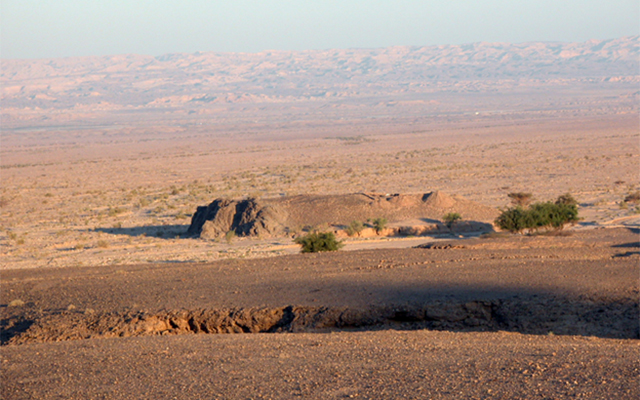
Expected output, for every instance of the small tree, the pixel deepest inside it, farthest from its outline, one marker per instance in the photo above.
(379, 224)
(450, 218)
(319, 241)
(547, 215)
(354, 228)
(521, 199)
(515, 219)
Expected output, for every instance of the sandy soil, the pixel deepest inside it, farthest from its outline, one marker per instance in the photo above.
(103, 296)
(128, 206)
(120, 202)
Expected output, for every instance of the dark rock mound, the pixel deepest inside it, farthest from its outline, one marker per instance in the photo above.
(243, 217)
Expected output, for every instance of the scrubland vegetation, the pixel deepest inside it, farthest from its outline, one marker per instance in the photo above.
(319, 241)
(539, 216)
(451, 218)
(51, 215)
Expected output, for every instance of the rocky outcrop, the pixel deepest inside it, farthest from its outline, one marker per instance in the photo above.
(243, 217)
(285, 215)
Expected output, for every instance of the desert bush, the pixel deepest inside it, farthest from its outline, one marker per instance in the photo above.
(319, 241)
(567, 199)
(103, 244)
(229, 236)
(521, 199)
(143, 202)
(379, 224)
(554, 215)
(158, 210)
(354, 228)
(546, 215)
(632, 198)
(316, 228)
(450, 218)
(514, 219)
(115, 211)
(182, 215)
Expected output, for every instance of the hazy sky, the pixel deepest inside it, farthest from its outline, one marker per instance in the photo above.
(62, 28)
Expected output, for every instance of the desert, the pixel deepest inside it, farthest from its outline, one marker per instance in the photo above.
(150, 205)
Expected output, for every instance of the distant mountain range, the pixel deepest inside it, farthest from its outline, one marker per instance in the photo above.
(204, 79)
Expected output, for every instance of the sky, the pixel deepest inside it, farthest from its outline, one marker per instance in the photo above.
(69, 28)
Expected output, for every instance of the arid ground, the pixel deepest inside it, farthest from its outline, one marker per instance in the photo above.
(104, 295)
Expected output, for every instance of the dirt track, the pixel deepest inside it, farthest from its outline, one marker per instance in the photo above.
(584, 284)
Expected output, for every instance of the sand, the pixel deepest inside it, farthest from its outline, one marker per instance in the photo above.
(100, 281)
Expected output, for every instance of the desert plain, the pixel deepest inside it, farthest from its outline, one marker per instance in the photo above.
(104, 161)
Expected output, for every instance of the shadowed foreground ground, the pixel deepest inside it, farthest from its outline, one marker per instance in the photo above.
(570, 304)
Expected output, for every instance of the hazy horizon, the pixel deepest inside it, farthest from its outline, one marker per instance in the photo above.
(55, 29)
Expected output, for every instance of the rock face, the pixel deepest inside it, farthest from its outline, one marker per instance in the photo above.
(290, 214)
(243, 217)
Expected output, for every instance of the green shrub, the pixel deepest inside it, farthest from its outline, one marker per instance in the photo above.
(545, 215)
(514, 219)
(379, 224)
(319, 241)
(354, 228)
(554, 215)
(450, 218)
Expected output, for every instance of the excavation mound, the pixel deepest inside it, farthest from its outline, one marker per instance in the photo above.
(286, 215)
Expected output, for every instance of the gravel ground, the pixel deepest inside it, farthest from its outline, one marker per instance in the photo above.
(569, 304)
(369, 365)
